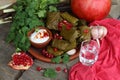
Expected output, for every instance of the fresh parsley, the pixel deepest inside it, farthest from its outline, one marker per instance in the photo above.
(56, 59)
(65, 58)
(50, 73)
(29, 14)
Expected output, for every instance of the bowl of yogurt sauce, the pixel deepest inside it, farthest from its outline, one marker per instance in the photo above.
(40, 37)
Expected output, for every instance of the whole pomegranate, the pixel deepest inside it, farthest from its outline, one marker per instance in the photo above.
(91, 10)
(20, 61)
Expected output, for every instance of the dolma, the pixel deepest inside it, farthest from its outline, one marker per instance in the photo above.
(84, 33)
(53, 19)
(60, 44)
(72, 45)
(70, 18)
(55, 53)
(69, 35)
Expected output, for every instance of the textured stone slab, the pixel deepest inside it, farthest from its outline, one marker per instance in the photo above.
(33, 74)
(115, 11)
(6, 2)
(114, 2)
(73, 62)
(6, 50)
(6, 73)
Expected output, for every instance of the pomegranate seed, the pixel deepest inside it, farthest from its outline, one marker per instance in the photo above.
(69, 26)
(47, 54)
(38, 68)
(55, 37)
(25, 64)
(52, 56)
(43, 51)
(55, 49)
(86, 31)
(60, 24)
(58, 68)
(57, 34)
(65, 70)
(60, 37)
(64, 21)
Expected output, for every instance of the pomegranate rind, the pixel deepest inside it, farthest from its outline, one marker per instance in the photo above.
(20, 67)
(29, 61)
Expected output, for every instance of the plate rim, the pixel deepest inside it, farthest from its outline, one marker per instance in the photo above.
(40, 57)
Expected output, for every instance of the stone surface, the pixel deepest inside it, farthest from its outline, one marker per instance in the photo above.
(71, 63)
(6, 50)
(115, 11)
(6, 2)
(38, 75)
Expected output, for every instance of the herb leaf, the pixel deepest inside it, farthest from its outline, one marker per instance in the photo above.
(56, 59)
(50, 73)
(41, 13)
(52, 8)
(66, 58)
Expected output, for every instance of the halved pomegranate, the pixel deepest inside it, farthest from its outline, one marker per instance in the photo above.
(20, 61)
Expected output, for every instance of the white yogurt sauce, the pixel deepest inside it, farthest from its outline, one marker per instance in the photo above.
(39, 36)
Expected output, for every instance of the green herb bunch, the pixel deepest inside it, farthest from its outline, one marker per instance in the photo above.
(29, 14)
